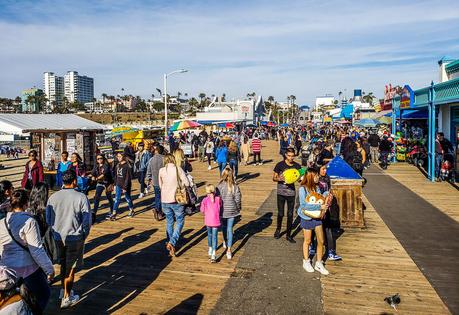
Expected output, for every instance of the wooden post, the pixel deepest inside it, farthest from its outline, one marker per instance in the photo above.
(348, 193)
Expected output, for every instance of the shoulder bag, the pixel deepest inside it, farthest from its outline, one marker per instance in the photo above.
(181, 196)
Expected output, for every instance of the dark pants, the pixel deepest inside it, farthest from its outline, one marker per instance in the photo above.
(209, 157)
(157, 198)
(234, 164)
(100, 188)
(142, 175)
(255, 156)
(37, 284)
(281, 200)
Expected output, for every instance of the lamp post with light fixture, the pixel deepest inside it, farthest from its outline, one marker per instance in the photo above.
(165, 97)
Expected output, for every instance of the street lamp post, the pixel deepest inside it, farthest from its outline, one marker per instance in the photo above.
(165, 97)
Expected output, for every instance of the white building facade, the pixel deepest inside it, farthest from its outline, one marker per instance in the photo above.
(78, 88)
(235, 111)
(53, 86)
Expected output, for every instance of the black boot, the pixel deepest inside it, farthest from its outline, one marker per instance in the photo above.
(279, 226)
(289, 230)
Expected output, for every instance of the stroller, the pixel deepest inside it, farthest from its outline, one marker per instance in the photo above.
(446, 168)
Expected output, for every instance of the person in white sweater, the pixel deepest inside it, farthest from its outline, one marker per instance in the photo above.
(175, 214)
(21, 249)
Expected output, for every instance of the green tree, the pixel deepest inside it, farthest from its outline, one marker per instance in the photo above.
(202, 96)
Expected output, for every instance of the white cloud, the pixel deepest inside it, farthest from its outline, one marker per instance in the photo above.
(290, 47)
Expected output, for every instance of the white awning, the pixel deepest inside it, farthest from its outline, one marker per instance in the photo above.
(26, 123)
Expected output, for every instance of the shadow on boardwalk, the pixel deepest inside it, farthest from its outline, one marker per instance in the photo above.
(106, 289)
(189, 306)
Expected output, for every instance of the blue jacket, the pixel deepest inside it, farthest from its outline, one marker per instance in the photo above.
(144, 161)
(222, 155)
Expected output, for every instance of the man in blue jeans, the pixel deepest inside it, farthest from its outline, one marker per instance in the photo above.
(152, 176)
(141, 161)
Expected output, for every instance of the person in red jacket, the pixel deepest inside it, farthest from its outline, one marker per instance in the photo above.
(33, 173)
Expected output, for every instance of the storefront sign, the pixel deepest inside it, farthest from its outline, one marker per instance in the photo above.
(407, 97)
(389, 94)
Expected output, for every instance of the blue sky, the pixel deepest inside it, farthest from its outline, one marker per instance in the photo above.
(279, 48)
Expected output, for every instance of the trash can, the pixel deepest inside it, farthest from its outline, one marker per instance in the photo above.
(346, 186)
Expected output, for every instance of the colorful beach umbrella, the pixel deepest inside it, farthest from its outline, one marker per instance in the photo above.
(184, 124)
(366, 122)
(385, 120)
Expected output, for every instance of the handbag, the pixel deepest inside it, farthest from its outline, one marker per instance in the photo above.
(181, 196)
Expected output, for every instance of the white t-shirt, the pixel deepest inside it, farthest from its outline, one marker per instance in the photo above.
(209, 147)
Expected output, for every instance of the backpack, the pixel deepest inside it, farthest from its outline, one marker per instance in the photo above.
(357, 161)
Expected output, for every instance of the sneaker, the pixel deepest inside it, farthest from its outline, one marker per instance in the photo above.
(131, 213)
(321, 268)
(261, 163)
(61, 293)
(108, 217)
(113, 217)
(210, 251)
(224, 244)
(307, 265)
(291, 240)
(209, 168)
(141, 195)
(70, 301)
(229, 255)
(333, 256)
(277, 234)
(146, 191)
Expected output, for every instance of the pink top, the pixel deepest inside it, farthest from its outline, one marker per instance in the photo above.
(211, 211)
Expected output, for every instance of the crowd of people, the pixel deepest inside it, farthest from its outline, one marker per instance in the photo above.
(38, 230)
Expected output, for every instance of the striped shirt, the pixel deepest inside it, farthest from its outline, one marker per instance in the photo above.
(256, 145)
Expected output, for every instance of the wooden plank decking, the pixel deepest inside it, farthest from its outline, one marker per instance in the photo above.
(128, 272)
(442, 195)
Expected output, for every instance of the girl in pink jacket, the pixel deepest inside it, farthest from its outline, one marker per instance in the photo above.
(210, 207)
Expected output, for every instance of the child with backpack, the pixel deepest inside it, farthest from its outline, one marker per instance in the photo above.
(210, 207)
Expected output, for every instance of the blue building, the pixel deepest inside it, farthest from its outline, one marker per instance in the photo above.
(442, 102)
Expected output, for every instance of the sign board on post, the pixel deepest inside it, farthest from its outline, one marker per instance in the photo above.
(407, 97)
(245, 109)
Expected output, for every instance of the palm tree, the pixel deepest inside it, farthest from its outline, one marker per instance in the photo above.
(368, 98)
(249, 95)
(202, 96)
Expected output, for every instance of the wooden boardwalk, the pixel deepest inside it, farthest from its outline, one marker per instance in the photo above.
(127, 270)
(442, 195)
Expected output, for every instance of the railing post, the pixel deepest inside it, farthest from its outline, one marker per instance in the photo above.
(394, 130)
(431, 153)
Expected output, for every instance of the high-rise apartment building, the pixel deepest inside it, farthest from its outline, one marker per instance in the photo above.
(78, 88)
(53, 87)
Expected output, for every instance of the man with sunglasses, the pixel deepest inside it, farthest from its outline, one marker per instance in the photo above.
(285, 193)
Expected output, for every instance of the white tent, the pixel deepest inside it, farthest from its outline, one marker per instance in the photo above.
(20, 124)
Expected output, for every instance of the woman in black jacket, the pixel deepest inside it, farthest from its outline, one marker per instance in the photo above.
(102, 175)
(123, 184)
